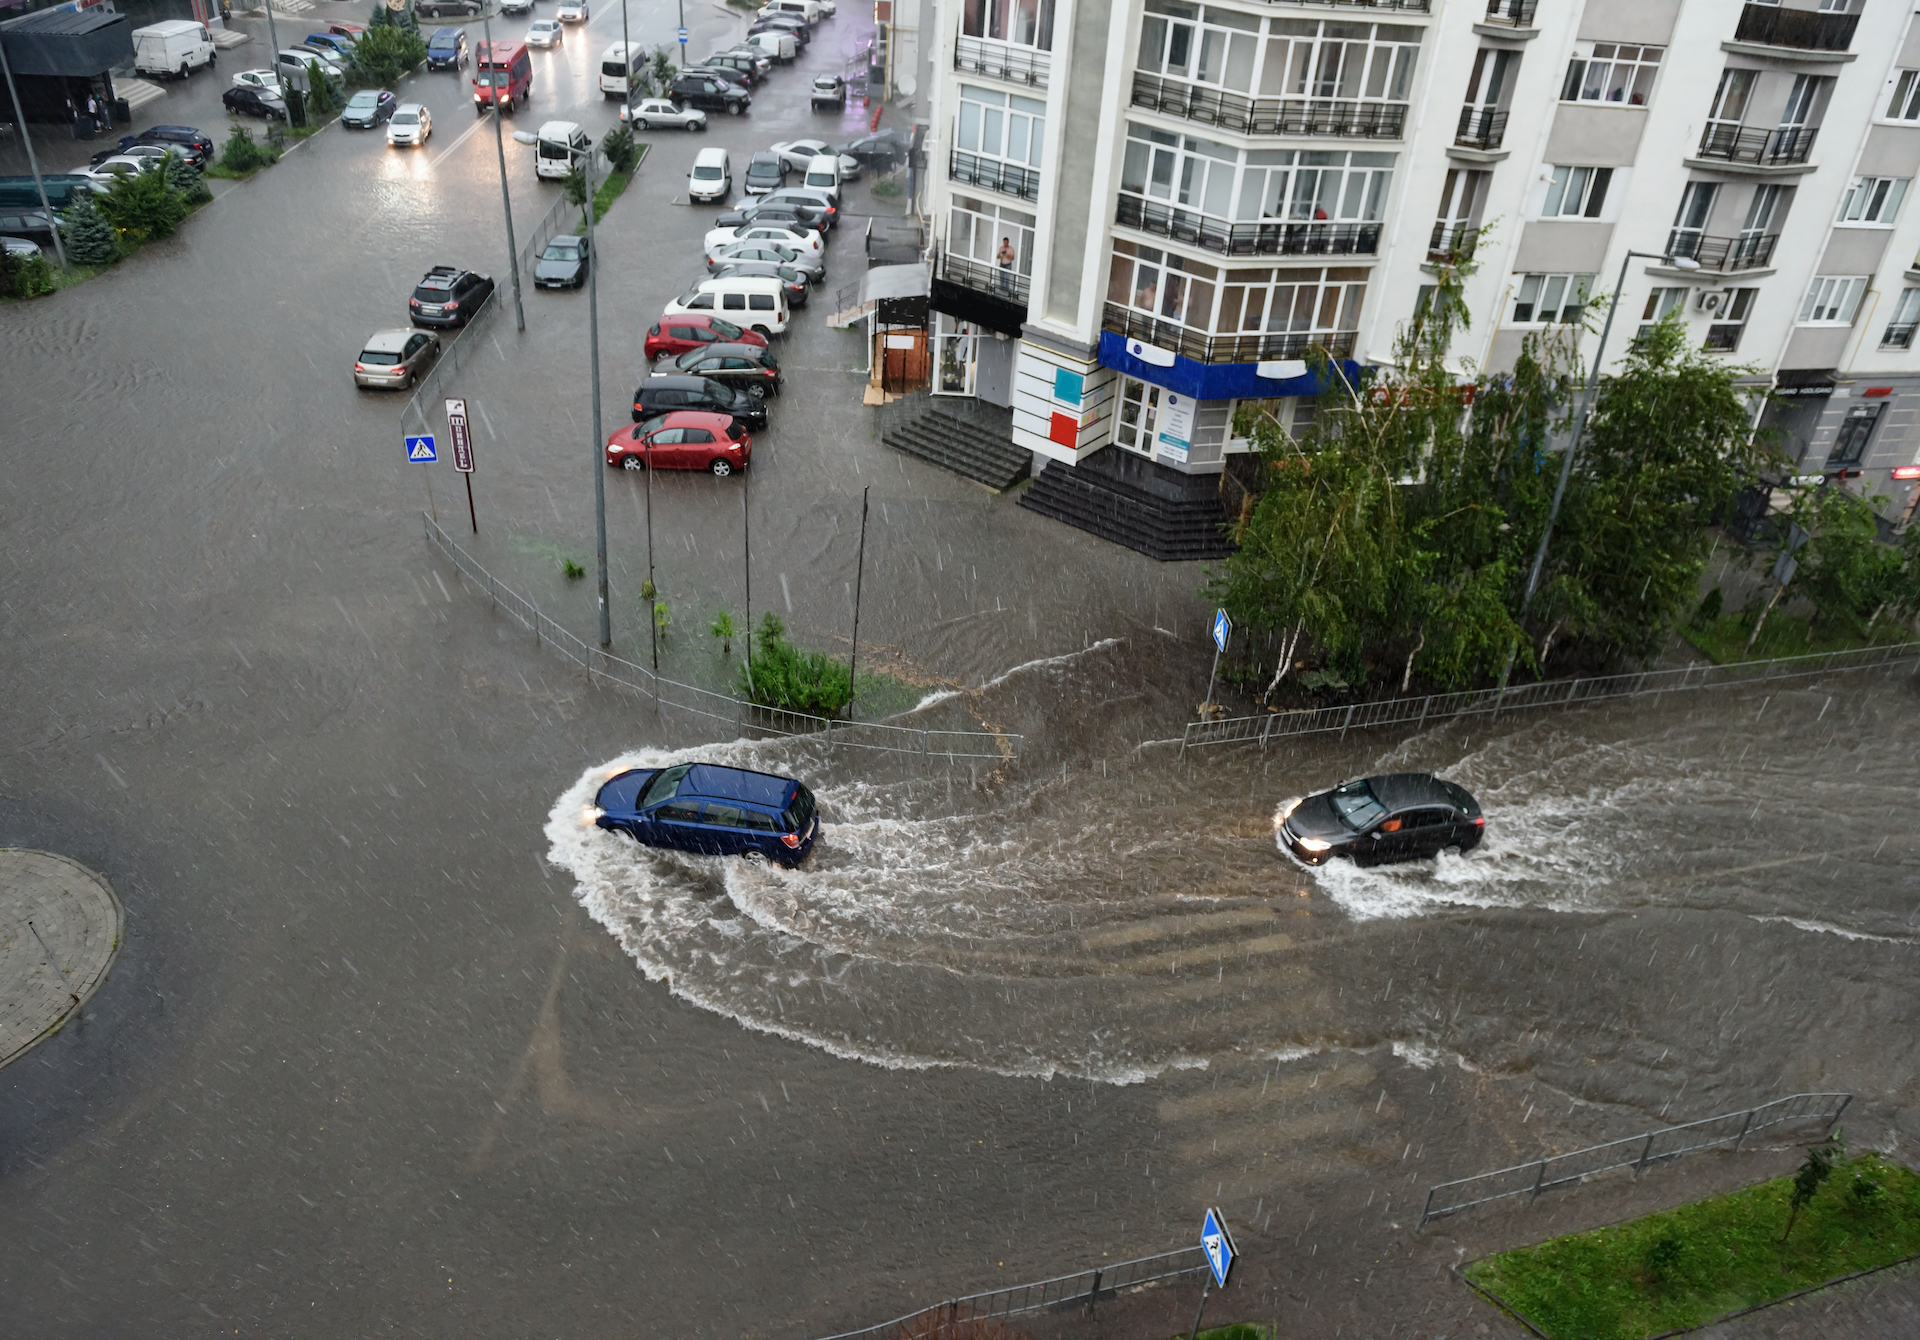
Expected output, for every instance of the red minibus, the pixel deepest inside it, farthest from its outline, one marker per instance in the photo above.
(502, 73)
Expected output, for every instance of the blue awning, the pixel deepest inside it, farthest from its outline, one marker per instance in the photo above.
(1213, 381)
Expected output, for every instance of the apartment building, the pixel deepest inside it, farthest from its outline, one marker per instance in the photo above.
(1145, 212)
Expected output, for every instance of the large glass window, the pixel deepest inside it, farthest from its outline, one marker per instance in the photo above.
(1172, 288)
(1856, 430)
(1227, 183)
(1543, 299)
(1027, 23)
(1266, 301)
(1001, 125)
(1315, 58)
(1905, 103)
(1832, 300)
(1134, 426)
(1216, 47)
(1872, 200)
(1577, 192)
(977, 228)
(1612, 72)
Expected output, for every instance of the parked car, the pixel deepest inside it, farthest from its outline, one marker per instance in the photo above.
(711, 178)
(810, 10)
(738, 66)
(830, 91)
(185, 140)
(244, 101)
(650, 112)
(36, 224)
(798, 284)
(172, 47)
(1402, 816)
(764, 173)
(302, 58)
(563, 264)
(798, 155)
(776, 45)
(516, 6)
(806, 243)
(799, 215)
(710, 93)
(882, 151)
(448, 296)
(440, 9)
(19, 248)
(750, 367)
(812, 197)
(783, 23)
(762, 62)
(368, 108)
(683, 440)
(824, 175)
(545, 33)
(665, 393)
(334, 42)
(267, 81)
(394, 359)
(130, 148)
(571, 11)
(447, 49)
(352, 30)
(560, 147)
(683, 334)
(810, 268)
(702, 807)
(759, 303)
(410, 125)
(104, 174)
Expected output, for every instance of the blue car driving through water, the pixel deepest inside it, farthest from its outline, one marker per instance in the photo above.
(712, 809)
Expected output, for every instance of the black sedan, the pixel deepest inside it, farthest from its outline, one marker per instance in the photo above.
(1402, 816)
(563, 264)
(252, 102)
(882, 151)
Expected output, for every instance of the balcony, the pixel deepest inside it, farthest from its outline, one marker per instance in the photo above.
(982, 277)
(1269, 116)
(1272, 237)
(1001, 60)
(1204, 348)
(1726, 255)
(1804, 29)
(1784, 147)
(1480, 128)
(1512, 13)
(994, 175)
(1452, 243)
(1415, 6)
(1899, 336)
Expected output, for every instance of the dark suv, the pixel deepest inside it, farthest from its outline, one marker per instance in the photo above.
(447, 49)
(190, 143)
(666, 392)
(710, 93)
(448, 296)
(749, 367)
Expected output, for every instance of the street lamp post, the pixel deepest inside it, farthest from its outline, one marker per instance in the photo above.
(599, 439)
(513, 257)
(33, 162)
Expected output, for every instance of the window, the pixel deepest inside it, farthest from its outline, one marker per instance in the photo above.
(1872, 200)
(1905, 104)
(1690, 220)
(1001, 125)
(1170, 287)
(1612, 73)
(976, 228)
(1312, 58)
(1220, 180)
(1723, 336)
(1318, 302)
(1832, 300)
(1221, 51)
(1850, 443)
(1906, 312)
(1660, 301)
(1547, 298)
(679, 811)
(1577, 193)
(1731, 98)
(1027, 23)
(1139, 415)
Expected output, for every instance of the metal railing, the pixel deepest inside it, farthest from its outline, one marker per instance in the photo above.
(1001, 281)
(1452, 241)
(1001, 60)
(994, 174)
(1726, 254)
(1204, 348)
(1758, 148)
(423, 406)
(1081, 1290)
(563, 217)
(1269, 116)
(1273, 237)
(1418, 712)
(1772, 25)
(1638, 1152)
(738, 714)
(1480, 128)
(1414, 6)
(1513, 13)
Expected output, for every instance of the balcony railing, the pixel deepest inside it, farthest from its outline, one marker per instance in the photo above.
(1452, 242)
(1899, 335)
(1775, 26)
(1725, 254)
(1204, 348)
(1417, 6)
(1272, 237)
(1480, 128)
(1760, 148)
(1513, 13)
(999, 60)
(1269, 116)
(982, 277)
(995, 175)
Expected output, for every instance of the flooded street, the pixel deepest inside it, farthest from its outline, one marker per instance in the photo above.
(395, 1045)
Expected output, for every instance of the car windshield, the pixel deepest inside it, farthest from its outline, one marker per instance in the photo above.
(706, 172)
(1356, 806)
(381, 357)
(561, 251)
(406, 118)
(364, 100)
(664, 786)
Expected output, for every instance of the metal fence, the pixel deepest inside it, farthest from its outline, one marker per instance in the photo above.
(601, 665)
(1418, 712)
(423, 408)
(1080, 1290)
(1638, 1152)
(563, 217)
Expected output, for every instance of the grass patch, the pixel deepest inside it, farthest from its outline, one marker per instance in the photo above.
(1724, 640)
(812, 682)
(1239, 1330)
(609, 191)
(1682, 1268)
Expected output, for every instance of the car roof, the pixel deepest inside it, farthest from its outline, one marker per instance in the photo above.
(674, 381)
(172, 130)
(558, 130)
(697, 418)
(409, 107)
(754, 351)
(441, 35)
(1401, 790)
(766, 156)
(388, 341)
(714, 782)
(709, 156)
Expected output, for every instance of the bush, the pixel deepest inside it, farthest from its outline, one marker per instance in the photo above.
(1710, 606)
(383, 54)
(620, 149)
(783, 676)
(144, 205)
(88, 237)
(186, 179)
(241, 155)
(24, 277)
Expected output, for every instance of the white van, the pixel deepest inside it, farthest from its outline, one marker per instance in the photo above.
(810, 10)
(758, 302)
(619, 64)
(558, 149)
(781, 47)
(823, 174)
(711, 180)
(176, 47)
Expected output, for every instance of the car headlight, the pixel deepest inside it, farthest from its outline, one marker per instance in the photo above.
(589, 814)
(1313, 844)
(1282, 814)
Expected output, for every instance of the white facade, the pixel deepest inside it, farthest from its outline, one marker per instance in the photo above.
(1213, 188)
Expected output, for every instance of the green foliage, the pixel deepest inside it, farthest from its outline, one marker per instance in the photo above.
(571, 568)
(321, 94)
(621, 150)
(241, 155)
(887, 189)
(724, 629)
(1605, 1285)
(386, 18)
(1812, 1175)
(384, 54)
(575, 186)
(609, 191)
(186, 179)
(783, 676)
(25, 277)
(144, 205)
(1709, 608)
(662, 617)
(1846, 573)
(663, 69)
(88, 236)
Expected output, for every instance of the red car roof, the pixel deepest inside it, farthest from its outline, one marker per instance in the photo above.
(706, 319)
(721, 425)
(501, 54)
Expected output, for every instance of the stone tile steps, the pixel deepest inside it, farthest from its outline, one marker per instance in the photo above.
(138, 92)
(966, 449)
(1164, 529)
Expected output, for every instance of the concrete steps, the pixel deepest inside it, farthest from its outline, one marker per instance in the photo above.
(1149, 509)
(973, 450)
(138, 92)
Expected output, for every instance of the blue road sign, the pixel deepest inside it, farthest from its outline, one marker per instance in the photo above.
(1218, 1244)
(683, 34)
(1222, 629)
(421, 449)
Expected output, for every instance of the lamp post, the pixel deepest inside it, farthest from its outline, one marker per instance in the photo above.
(599, 439)
(33, 161)
(513, 256)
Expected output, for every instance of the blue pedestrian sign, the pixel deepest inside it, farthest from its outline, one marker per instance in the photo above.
(683, 34)
(421, 449)
(1218, 1245)
(1222, 629)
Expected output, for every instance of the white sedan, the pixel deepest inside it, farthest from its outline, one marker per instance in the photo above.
(650, 112)
(797, 156)
(571, 11)
(108, 172)
(545, 33)
(264, 80)
(807, 243)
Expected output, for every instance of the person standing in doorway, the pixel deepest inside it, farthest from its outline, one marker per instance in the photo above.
(1006, 258)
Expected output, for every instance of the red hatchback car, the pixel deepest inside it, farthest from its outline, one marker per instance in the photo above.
(683, 440)
(675, 335)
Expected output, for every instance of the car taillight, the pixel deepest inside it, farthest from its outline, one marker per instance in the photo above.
(413, 302)
(450, 307)
(791, 839)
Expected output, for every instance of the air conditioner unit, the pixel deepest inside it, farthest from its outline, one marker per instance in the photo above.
(1716, 300)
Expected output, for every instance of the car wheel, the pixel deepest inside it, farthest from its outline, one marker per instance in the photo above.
(632, 463)
(721, 469)
(763, 332)
(642, 123)
(757, 392)
(185, 70)
(754, 856)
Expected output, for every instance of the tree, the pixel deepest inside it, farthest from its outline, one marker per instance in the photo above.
(144, 204)
(1813, 1175)
(724, 629)
(384, 54)
(621, 150)
(1846, 573)
(185, 178)
(88, 237)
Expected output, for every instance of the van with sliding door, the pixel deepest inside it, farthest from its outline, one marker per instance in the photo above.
(620, 66)
(560, 147)
(502, 74)
(756, 302)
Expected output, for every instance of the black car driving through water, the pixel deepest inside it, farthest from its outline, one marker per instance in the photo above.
(1402, 816)
(705, 807)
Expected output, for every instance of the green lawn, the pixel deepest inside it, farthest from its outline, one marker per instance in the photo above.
(1724, 640)
(1682, 1268)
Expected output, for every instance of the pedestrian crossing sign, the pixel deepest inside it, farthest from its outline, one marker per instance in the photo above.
(421, 449)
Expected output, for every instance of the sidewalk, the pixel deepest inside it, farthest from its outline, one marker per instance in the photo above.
(1882, 1306)
(60, 931)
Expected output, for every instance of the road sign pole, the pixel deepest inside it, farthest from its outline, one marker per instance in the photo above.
(1214, 674)
(470, 516)
(1205, 1289)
